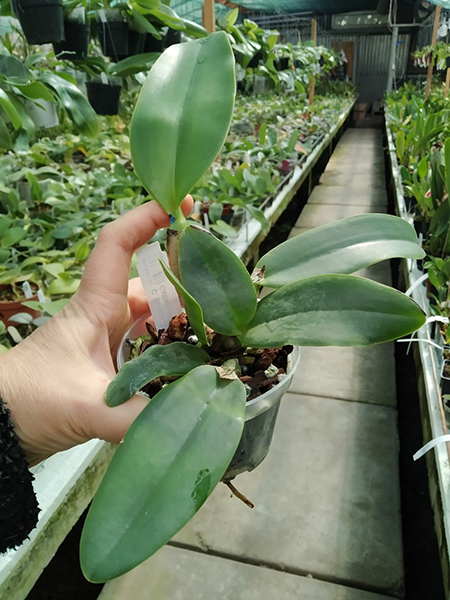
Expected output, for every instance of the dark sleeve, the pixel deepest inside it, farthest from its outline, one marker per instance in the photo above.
(18, 504)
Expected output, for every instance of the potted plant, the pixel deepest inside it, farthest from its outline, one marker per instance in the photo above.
(183, 442)
(104, 94)
(76, 33)
(113, 33)
(12, 296)
(42, 21)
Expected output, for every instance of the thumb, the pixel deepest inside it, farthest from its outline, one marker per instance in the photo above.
(108, 268)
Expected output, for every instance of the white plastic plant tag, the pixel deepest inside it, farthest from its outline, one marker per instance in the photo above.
(26, 287)
(432, 444)
(162, 297)
(41, 296)
(104, 78)
(102, 15)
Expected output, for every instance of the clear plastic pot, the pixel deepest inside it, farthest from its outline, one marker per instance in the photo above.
(260, 413)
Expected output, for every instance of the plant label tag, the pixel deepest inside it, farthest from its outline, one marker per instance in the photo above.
(102, 15)
(26, 287)
(104, 78)
(161, 295)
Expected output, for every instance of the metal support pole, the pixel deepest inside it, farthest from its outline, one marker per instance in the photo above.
(391, 74)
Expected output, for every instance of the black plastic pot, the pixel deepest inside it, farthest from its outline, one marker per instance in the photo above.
(75, 46)
(421, 227)
(447, 62)
(136, 42)
(410, 203)
(104, 97)
(282, 64)
(445, 381)
(113, 36)
(255, 60)
(42, 21)
(172, 37)
(154, 45)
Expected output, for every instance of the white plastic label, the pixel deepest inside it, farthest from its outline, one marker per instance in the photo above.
(102, 15)
(26, 287)
(104, 78)
(439, 440)
(162, 297)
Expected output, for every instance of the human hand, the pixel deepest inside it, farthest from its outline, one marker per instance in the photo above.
(54, 381)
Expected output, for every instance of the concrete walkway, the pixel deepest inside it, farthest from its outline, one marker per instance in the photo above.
(326, 525)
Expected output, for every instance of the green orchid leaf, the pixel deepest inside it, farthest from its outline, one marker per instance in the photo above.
(447, 164)
(4, 254)
(5, 223)
(10, 110)
(332, 310)
(76, 105)
(12, 236)
(134, 64)
(194, 29)
(157, 361)
(143, 22)
(344, 246)
(171, 459)
(35, 91)
(223, 229)
(26, 120)
(218, 280)
(67, 285)
(186, 103)
(54, 269)
(5, 136)
(193, 309)
(14, 70)
(258, 214)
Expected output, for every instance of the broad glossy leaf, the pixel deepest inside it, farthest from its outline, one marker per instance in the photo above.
(27, 121)
(218, 280)
(194, 29)
(5, 137)
(14, 70)
(157, 361)
(172, 457)
(63, 286)
(134, 64)
(193, 309)
(332, 310)
(10, 110)
(35, 91)
(12, 236)
(182, 117)
(77, 106)
(344, 246)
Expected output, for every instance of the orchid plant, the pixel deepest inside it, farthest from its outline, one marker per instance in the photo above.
(181, 444)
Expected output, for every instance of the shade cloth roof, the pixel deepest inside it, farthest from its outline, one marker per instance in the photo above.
(192, 9)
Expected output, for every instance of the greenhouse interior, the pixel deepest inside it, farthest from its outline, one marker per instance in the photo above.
(237, 212)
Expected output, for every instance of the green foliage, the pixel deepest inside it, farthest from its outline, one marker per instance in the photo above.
(218, 280)
(332, 310)
(341, 247)
(172, 457)
(190, 110)
(174, 359)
